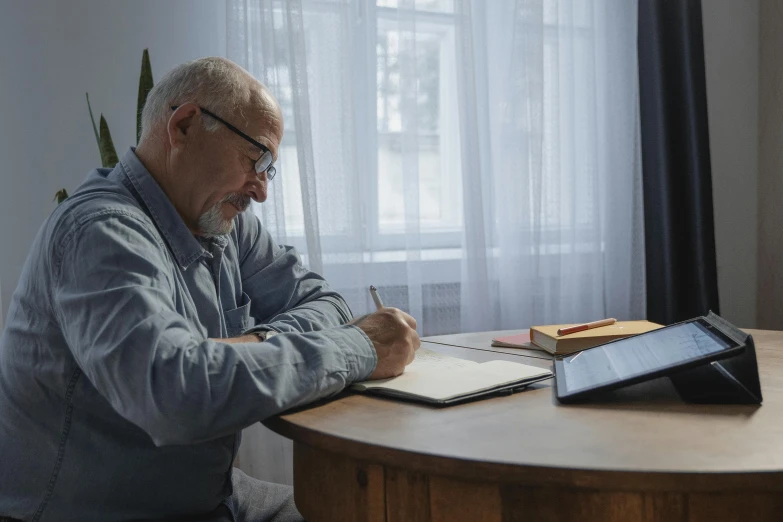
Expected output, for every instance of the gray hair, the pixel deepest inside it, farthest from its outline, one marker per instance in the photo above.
(216, 83)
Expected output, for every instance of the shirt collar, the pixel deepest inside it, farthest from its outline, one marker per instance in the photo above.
(185, 247)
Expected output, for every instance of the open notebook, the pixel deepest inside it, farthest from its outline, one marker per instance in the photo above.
(440, 379)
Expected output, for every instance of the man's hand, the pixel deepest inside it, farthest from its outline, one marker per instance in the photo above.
(393, 334)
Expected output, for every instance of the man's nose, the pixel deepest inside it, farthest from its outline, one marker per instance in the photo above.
(257, 188)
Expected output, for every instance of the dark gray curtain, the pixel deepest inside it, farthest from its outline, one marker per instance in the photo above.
(678, 216)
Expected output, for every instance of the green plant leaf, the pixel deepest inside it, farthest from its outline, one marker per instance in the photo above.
(108, 152)
(61, 195)
(145, 85)
(92, 120)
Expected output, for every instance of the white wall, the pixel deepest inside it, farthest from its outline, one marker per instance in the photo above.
(731, 49)
(51, 53)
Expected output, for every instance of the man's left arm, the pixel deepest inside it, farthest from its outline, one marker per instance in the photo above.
(285, 296)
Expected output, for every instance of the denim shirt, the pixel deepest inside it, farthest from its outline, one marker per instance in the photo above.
(116, 401)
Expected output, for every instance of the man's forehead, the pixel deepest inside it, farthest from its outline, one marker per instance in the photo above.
(269, 134)
(267, 139)
(266, 129)
(267, 105)
(263, 118)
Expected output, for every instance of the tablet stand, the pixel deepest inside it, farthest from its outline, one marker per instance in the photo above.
(734, 380)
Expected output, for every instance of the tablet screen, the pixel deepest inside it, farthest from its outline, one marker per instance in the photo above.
(642, 354)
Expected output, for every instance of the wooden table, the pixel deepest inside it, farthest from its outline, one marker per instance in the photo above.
(482, 341)
(640, 456)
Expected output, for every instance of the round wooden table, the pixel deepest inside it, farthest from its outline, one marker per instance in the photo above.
(640, 455)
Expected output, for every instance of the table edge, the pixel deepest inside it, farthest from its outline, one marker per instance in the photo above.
(533, 475)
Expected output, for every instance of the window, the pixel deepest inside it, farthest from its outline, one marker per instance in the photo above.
(434, 107)
(500, 182)
(431, 153)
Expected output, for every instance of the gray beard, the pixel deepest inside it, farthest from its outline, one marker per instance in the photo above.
(212, 223)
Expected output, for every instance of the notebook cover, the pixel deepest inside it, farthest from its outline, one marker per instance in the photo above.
(546, 336)
(521, 340)
(499, 390)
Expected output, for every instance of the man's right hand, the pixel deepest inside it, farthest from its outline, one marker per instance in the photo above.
(393, 334)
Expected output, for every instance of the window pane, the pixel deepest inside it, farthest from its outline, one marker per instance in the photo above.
(442, 6)
(435, 117)
(292, 190)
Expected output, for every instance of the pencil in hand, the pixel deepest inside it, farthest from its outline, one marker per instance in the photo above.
(375, 297)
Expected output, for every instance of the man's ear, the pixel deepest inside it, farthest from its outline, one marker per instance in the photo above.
(183, 121)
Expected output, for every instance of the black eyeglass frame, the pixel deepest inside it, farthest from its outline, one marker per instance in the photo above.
(265, 152)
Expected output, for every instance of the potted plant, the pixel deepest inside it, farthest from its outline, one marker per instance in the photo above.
(103, 136)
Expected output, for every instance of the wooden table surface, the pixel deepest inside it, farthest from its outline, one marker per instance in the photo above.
(483, 341)
(642, 448)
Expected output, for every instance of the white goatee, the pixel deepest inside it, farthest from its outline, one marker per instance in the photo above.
(212, 222)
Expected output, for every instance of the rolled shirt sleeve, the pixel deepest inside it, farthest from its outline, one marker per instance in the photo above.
(114, 298)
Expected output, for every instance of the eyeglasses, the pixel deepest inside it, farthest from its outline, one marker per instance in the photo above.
(264, 163)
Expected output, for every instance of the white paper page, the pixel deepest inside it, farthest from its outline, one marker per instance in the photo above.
(460, 381)
(429, 359)
(449, 378)
(425, 361)
(511, 370)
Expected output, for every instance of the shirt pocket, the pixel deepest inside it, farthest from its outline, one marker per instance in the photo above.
(238, 319)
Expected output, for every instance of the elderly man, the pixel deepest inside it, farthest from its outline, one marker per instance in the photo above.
(155, 319)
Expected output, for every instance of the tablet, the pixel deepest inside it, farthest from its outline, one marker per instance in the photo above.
(641, 357)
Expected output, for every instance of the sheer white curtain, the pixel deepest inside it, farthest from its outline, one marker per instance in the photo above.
(478, 161)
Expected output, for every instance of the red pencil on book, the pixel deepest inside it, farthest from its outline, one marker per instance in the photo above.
(585, 326)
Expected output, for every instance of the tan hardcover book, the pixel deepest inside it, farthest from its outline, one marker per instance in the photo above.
(546, 336)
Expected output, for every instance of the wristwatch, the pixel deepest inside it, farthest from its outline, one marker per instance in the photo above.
(263, 335)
